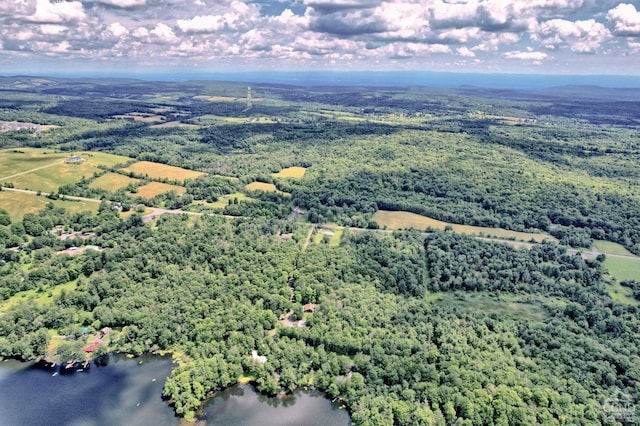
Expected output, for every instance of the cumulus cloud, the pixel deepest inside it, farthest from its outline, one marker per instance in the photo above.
(465, 52)
(201, 24)
(123, 3)
(57, 12)
(163, 32)
(17, 7)
(625, 20)
(116, 30)
(319, 33)
(580, 36)
(535, 57)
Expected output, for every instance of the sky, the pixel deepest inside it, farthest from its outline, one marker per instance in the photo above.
(485, 36)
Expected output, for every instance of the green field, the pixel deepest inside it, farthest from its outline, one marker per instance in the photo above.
(112, 182)
(333, 236)
(17, 204)
(42, 170)
(404, 220)
(623, 269)
(611, 248)
(14, 161)
(39, 298)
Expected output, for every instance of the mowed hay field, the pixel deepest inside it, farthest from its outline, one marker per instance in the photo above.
(41, 170)
(162, 171)
(152, 189)
(19, 160)
(404, 220)
(291, 172)
(262, 186)
(623, 269)
(112, 182)
(17, 204)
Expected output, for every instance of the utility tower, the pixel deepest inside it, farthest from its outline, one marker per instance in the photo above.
(249, 105)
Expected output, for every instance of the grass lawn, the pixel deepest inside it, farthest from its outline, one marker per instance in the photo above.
(261, 186)
(18, 204)
(623, 269)
(291, 172)
(162, 171)
(112, 182)
(611, 248)
(333, 235)
(152, 189)
(398, 220)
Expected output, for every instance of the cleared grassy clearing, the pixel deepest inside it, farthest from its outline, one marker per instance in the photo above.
(126, 215)
(145, 118)
(262, 186)
(103, 158)
(172, 124)
(332, 235)
(623, 269)
(39, 298)
(621, 294)
(13, 161)
(18, 204)
(295, 172)
(218, 98)
(161, 171)
(222, 202)
(398, 220)
(152, 189)
(40, 170)
(611, 248)
(512, 306)
(112, 182)
(49, 179)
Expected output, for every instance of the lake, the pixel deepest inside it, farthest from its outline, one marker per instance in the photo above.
(129, 391)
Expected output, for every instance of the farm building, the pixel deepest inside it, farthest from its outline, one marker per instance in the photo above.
(74, 159)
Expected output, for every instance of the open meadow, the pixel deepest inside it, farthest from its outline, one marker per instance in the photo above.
(406, 220)
(17, 204)
(112, 182)
(152, 189)
(161, 171)
(291, 172)
(263, 186)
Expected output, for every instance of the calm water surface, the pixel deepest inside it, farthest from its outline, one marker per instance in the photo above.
(129, 392)
(240, 405)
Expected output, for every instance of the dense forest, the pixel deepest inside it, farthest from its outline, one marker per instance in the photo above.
(405, 327)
